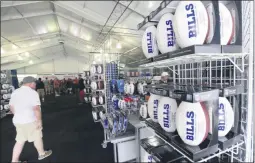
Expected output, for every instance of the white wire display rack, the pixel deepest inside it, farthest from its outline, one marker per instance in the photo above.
(232, 150)
(221, 68)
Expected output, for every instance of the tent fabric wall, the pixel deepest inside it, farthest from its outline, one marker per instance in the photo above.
(62, 66)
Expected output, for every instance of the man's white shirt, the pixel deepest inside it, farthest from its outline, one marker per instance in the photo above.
(24, 99)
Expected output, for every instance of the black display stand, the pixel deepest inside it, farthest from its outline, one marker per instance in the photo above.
(189, 94)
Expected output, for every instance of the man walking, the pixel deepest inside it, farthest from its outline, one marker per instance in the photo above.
(25, 105)
(46, 86)
(164, 77)
(40, 89)
(56, 86)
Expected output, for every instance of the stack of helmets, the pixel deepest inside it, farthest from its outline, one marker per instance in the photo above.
(113, 86)
(143, 111)
(101, 99)
(95, 115)
(167, 114)
(120, 85)
(142, 88)
(119, 103)
(121, 121)
(6, 96)
(226, 117)
(93, 85)
(4, 91)
(127, 88)
(93, 69)
(192, 122)
(5, 86)
(149, 44)
(139, 87)
(95, 100)
(3, 75)
(97, 85)
(226, 24)
(86, 98)
(115, 102)
(96, 69)
(113, 123)
(100, 69)
(90, 98)
(100, 85)
(132, 88)
(153, 107)
(87, 73)
(7, 106)
(125, 121)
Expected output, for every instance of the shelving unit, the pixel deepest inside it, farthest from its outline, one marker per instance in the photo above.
(6, 89)
(228, 69)
(87, 86)
(96, 92)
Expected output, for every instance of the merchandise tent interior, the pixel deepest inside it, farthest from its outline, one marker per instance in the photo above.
(164, 81)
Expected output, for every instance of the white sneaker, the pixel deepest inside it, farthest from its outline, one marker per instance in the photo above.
(46, 154)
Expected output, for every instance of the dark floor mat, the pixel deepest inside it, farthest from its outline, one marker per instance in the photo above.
(68, 130)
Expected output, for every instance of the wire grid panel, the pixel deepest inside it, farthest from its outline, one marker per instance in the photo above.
(248, 97)
(224, 72)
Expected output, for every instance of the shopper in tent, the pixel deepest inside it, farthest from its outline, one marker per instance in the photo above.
(51, 86)
(26, 107)
(81, 89)
(56, 86)
(164, 77)
(47, 86)
(40, 89)
(75, 85)
(69, 85)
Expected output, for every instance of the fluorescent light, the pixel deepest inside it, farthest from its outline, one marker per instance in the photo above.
(150, 4)
(118, 46)
(20, 58)
(14, 47)
(43, 30)
(2, 50)
(27, 54)
(30, 62)
(87, 37)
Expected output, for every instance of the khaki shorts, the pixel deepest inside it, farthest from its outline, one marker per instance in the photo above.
(40, 92)
(47, 89)
(27, 132)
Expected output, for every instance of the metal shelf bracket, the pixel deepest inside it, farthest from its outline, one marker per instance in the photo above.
(242, 66)
(172, 70)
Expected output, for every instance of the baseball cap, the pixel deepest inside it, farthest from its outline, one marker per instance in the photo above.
(164, 74)
(28, 79)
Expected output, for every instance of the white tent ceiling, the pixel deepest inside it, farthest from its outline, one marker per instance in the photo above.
(38, 31)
